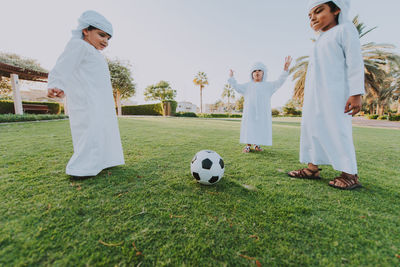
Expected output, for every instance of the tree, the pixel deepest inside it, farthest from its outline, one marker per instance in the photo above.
(24, 63)
(239, 103)
(121, 81)
(229, 93)
(161, 91)
(376, 58)
(201, 80)
(5, 88)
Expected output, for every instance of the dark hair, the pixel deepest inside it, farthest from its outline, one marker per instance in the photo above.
(334, 8)
(91, 28)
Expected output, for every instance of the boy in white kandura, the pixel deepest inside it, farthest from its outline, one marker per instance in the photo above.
(256, 127)
(82, 74)
(333, 89)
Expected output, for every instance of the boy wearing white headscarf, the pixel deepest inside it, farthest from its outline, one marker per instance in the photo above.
(82, 74)
(332, 94)
(256, 127)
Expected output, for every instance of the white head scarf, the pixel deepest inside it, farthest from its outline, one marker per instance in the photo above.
(92, 18)
(344, 6)
(259, 66)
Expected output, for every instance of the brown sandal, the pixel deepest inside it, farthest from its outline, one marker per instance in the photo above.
(305, 173)
(350, 182)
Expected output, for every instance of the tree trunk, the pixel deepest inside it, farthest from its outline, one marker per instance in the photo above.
(119, 104)
(398, 107)
(201, 99)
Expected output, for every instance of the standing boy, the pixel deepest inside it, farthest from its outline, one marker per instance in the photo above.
(82, 74)
(333, 89)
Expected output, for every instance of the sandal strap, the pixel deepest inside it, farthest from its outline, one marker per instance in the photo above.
(302, 172)
(346, 180)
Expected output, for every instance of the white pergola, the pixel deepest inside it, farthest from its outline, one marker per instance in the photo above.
(16, 73)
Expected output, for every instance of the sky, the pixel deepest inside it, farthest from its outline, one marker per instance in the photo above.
(173, 40)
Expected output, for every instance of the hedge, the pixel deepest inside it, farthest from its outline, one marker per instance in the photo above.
(7, 106)
(207, 115)
(394, 117)
(372, 117)
(149, 109)
(29, 117)
(185, 114)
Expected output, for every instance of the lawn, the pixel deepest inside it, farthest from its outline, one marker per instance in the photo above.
(151, 212)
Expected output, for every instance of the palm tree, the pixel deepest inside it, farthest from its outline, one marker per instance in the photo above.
(376, 58)
(228, 93)
(201, 80)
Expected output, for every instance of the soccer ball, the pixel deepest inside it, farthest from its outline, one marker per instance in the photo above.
(207, 167)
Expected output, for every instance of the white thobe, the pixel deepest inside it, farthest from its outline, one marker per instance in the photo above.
(82, 73)
(335, 72)
(256, 126)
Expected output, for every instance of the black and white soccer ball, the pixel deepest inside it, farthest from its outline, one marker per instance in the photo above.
(207, 167)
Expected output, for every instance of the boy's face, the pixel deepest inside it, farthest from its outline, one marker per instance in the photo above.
(97, 38)
(322, 18)
(258, 75)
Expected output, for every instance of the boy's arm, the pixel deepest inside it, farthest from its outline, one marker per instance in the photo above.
(240, 88)
(278, 83)
(66, 64)
(354, 60)
(355, 68)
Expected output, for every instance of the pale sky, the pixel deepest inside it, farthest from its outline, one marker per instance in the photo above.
(174, 39)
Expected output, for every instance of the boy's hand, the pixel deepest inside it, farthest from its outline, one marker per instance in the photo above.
(55, 92)
(353, 104)
(288, 61)
(230, 73)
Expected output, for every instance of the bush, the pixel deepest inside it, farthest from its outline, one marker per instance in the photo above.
(275, 112)
(185, 114)
(149, 109)
(218, 115)
(372, 117)
(29, 117)
(384, 117)
(208, 115)
(394, 118)
(7, 106)
(291, 111)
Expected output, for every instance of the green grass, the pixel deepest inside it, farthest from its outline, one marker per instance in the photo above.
(254, 214)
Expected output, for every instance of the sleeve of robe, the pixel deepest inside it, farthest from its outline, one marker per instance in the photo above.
(278, 83)
(350, 41)
(66, 64)
(240, 88)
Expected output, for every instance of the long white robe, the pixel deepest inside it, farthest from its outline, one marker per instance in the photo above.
(82, 73)
(335, 72)
(256, 126)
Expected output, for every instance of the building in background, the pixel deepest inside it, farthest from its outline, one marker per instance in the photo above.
(186, 107)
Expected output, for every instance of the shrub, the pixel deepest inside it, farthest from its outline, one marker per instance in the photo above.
(29, 117)
(291, 111)
(275, 112)
(384, 117)
(372, 116)
(149, 109)
(185, 114)
(7, 106)
(394, 118)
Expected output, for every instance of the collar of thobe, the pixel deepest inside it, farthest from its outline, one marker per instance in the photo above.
(344, 6)
(92, 18)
